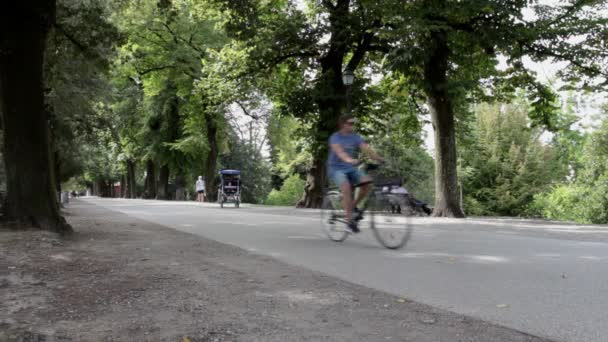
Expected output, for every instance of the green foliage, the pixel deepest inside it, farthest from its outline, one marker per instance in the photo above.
(176, 66)
(413, 165)
(255, 170)
(477, 31)
(290, 193)
(299, 56)
(76, 64)
(585, 198)
(289, 150)
(450, 50)
(507, 164)
(74, 184)
(582, 203)
(393, 126)
(564, 202)
(164, 55)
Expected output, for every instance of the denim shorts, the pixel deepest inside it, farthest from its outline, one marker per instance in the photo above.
(341, 176)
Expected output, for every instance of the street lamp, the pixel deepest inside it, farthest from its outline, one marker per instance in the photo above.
(348, 77)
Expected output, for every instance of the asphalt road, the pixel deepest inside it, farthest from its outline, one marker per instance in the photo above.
(547, 279)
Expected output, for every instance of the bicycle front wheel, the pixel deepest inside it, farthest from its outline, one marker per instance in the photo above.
(333, 217)
(391, 228)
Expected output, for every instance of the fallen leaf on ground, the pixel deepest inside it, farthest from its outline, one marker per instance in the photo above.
(502, 306)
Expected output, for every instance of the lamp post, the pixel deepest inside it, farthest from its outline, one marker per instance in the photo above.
(348, 77)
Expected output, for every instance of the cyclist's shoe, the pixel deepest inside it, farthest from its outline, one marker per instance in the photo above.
(354, 227)
(358, 215)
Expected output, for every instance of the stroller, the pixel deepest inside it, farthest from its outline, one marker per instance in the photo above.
(401, 201)
(230, 187)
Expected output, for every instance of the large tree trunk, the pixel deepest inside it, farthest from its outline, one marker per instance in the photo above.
(150, 183)
(162, 189)
(123, 186)
(130, 191)
(330, 109)
(330, 101)
(173, 131)
(211, 162)
(97, 188)
(316, 182)
(180, 189)
(31, 192)
(447, 196)
(57, 173)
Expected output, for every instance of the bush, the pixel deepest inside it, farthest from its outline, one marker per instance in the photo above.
(474, 207)
(564, 202)
(506, 163)
(580, 203)
(290, 193)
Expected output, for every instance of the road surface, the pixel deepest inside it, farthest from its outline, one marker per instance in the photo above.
(547, 279)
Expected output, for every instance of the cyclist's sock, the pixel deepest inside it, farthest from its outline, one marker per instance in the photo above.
(358, 214)
(354, 227)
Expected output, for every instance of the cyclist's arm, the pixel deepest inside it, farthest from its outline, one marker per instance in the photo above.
(370, 152)
(339, 151)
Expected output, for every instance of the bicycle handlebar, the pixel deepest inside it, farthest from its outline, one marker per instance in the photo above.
(372, 166)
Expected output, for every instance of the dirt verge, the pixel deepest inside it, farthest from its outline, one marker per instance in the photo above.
(122, 279)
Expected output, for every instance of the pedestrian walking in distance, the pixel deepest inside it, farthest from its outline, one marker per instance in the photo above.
(200, 189)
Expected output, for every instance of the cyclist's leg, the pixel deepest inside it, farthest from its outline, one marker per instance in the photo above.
(366, 185)
(362, 193)
(347, 200)
(340, 178)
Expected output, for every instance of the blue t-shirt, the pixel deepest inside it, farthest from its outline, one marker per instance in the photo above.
(350, 143)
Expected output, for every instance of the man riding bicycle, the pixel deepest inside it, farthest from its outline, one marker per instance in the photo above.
(344, 146)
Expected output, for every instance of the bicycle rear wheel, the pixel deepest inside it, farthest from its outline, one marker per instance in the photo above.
(390, 228)
(333, 217)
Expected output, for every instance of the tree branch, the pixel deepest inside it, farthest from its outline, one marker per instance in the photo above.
(550, 53)
(379, 48)
(246, 112)
(359, 53)
(177, 38)
(236, 126)
(328, 4)
(160, 36)
(259, 149)
(278, 60)
(71, 38)
(153, 69)
(151, 41)
(413, 96)
(577, 5)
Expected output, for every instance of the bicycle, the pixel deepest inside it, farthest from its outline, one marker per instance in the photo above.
(391, 229)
